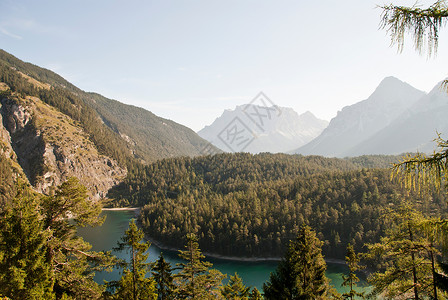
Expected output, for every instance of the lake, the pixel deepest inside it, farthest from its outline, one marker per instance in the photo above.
(255, 274)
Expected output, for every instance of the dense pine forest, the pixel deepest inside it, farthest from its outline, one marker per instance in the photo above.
(252, 205)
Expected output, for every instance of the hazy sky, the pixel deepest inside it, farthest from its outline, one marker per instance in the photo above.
(189, 60)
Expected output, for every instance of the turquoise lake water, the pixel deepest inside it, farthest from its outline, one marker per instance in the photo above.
(252, 273)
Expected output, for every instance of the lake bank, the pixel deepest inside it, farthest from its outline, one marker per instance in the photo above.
(121, 208)
(236, 258)
(162, 246)
(253, 273)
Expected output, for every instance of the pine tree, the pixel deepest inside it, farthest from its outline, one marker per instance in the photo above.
(422, 171)
(301, 273)
(235, 289)
(133, 284)
(196, 280)
(423, 24)
(72, 263)
(255, 294)
(23, 271)
(404, 250)
(162, 272)
(41, 256)
(352, 260)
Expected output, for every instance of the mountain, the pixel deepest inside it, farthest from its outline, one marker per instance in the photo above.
(147, 136)
(55, 130)
(412, 131)
(253, 128)
(50, 147)
(359, 122)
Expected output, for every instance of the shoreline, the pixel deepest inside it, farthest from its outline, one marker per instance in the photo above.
(120, 208)
(214, 255)
(236, 258)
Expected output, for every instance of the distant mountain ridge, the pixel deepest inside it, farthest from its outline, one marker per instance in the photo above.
(371, 126)
(268, 129)
(412, 131)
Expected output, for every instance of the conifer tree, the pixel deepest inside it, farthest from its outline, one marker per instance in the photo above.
(255, 294)
(352, 260)
(23, 271)
(404, 250)
(133, 284)
(41, 256)
(423, 24)
(196, 280)
(301, 273)
(72, 263)
(423, 171)
(235, 289)
(162, 272)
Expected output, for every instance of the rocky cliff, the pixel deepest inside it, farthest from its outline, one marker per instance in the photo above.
(50, 146)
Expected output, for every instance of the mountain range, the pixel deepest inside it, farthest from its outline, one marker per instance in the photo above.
(264, 129)
(395, 119)
(51, 130)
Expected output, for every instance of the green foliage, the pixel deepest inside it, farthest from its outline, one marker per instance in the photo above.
(134, 284)
(24, 273)
(422, 24)
(40, 255)
(7, 182)
(255, 294)
(162, 272)
(235, 289)
(374, 161)
(421, 172)
(71, 262)
(145, 288)
(301, 273)
(151, 137)
(405, 256)
(196, 280)
(352, 260)
(252, 205)
(71, 104)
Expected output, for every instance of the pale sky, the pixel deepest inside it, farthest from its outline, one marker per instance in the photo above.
(189, 60)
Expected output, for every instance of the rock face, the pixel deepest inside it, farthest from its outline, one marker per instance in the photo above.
(359, 122)
(412, 131)
(50, 147)
(5, 137)
(266, 129)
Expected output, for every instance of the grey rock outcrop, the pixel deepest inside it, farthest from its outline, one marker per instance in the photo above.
(50, 147)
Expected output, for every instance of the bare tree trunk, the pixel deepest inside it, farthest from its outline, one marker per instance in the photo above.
(414, 270)
(433, 274)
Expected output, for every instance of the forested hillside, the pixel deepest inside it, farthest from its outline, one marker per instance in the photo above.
(124, 132)
(252, 205)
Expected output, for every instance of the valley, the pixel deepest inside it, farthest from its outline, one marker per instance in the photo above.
(253, 273)
(66, 152)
